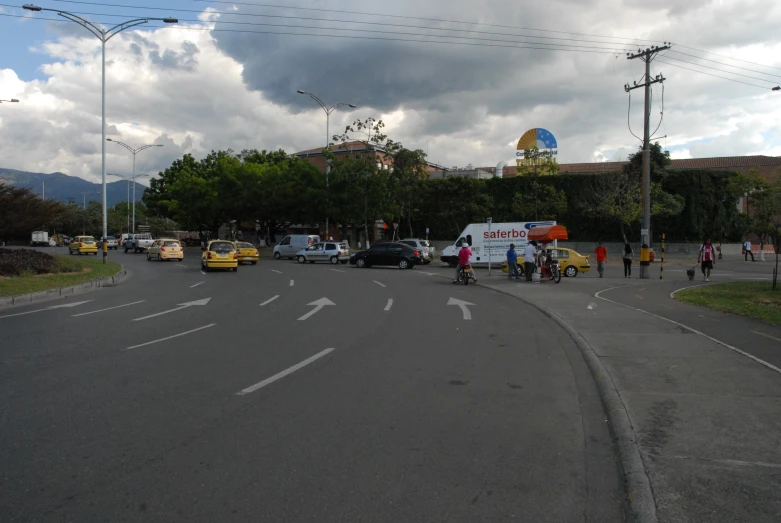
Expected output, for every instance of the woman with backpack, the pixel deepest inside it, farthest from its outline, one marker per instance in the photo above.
(628, 255)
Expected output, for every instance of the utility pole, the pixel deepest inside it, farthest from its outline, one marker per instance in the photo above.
(646, 56)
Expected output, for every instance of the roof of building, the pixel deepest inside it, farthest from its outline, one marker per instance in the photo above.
(353, 146)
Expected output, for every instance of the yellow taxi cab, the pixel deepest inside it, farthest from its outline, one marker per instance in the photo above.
(165, 249)
(570, 262)
(247, 252)
(83, 245)
(220, 254)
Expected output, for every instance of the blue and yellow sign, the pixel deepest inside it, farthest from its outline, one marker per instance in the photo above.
(540, 138)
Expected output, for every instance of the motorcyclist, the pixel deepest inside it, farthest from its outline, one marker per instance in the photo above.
(463, 259)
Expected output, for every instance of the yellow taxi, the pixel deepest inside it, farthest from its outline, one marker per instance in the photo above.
(83, 245)
(220, 254)
(165, 249)
(247, 252)
(570, 262)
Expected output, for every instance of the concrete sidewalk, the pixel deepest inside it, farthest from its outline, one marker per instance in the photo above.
(706, 420)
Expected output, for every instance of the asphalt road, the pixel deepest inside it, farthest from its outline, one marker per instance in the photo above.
(387, 406)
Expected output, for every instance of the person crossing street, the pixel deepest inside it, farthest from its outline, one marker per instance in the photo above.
(706, 257)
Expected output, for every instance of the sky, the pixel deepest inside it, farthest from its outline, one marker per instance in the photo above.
(461, 80)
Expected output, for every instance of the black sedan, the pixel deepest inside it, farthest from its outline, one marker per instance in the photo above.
(398, 254)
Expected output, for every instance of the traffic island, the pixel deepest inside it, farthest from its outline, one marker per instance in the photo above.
(753, 299)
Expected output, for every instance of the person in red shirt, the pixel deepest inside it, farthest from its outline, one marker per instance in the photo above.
(463, 259)
(601, 255)
(706, 258)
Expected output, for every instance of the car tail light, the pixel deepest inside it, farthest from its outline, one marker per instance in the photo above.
(235, 255)
(162, 249)
(81, 244)
(209, 255)
(417, 253)
(338, 253)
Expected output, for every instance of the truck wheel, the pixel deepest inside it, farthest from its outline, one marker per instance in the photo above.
(452, 263)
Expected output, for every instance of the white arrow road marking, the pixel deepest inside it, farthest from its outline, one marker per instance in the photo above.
(378, 283)
(291, 282)
(389, 305)
(171, 337)
(319, 304)
(269, 300)
(181, 306)
(110, 308)
(74, 304)
(463, 305)
(278, 272)
(199, 283)
(284, 373)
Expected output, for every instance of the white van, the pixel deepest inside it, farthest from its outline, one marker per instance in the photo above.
(290, 245)
(493, 244)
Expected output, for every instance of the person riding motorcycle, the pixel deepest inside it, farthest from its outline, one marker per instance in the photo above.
(463, 259)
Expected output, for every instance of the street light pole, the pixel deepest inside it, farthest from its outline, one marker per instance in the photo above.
(14, 100)
(134, 152)
(104, 35)
(128, 196)
(328, 110)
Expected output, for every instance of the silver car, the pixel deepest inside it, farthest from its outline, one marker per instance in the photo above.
(333, 252)
(111, 243)
(423, 246)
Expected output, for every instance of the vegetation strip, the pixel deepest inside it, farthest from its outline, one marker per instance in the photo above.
(753, 299)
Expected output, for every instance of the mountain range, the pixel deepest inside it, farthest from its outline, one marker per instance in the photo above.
(64, 188)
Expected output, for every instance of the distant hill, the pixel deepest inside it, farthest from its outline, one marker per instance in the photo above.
(64, 187)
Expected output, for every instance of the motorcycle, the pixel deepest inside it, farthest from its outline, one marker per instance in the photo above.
(551, 269)
(465, 274)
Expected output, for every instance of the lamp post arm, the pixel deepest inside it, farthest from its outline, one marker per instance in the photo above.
(145, 147)
(322, 104)
(127, 25)
(86, 24)
(126, 146)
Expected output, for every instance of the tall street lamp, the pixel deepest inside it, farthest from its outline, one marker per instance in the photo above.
(14, 100)
(328, 110)
(104, 35)
(128, 180)
(134, 151)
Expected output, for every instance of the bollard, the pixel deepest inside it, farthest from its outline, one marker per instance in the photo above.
(661, 270)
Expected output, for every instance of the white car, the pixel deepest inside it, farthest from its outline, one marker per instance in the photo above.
(111, 243)
(333, 252)
(423, 246)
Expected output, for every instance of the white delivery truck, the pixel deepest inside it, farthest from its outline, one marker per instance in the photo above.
(493, 243)
(40, 239)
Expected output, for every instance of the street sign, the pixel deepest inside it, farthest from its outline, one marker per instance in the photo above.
(643, 232)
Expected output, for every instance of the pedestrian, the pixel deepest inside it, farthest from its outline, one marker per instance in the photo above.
(747, 250)
(601, 255)
(512, 263)
(705, 258)
(529, 259)
(628, 254)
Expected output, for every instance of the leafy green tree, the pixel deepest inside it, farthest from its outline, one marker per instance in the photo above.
(22, 212)
(766, 217)
(410, 170)
(543, 201)
(660, 160)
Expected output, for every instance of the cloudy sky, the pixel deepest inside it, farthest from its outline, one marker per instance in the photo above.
(460, 79)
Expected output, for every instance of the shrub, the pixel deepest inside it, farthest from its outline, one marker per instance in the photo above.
(14, 262)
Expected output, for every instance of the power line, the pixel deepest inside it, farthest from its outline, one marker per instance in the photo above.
(714, 75)
(725, 56)
(722, 63)
(720, 70)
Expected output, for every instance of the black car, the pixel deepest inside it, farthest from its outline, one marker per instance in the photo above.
(398, 254)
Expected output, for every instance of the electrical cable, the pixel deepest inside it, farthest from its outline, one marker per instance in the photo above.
(661, 112)
(722, 63)
(628, 111)
(729, 57)
(722, 70)
(714, 75)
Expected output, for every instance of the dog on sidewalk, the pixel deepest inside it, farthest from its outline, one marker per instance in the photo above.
(690, 273)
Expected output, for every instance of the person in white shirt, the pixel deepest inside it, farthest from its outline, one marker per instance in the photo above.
(529, 259)
(747, 250)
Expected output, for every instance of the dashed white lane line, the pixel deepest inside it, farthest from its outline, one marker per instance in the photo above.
(203, 272)
(766, 335)
(336, 270)
(199, 283)
(292, 282)
(280, 375)
(269, 300)
(278, 272)
(108, 309)
(180, 265)
(171, 337)
(389, 305)
(378, 283)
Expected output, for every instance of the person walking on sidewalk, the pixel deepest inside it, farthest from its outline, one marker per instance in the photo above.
(529, 259)
(747, 250)
(628, 254)
(601, 255)
(705, 257)
(512, 263)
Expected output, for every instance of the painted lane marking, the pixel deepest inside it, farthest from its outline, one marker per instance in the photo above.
(695, 331)
(676, 291)
(337, 270)
(180, 265)
(319, 304)
(766, 335)
(108, 309)
(292, 282)
(389, 305)
(278, 272)
(463, 305)
(284, 373)
(171, 337)
(378, 283)
(269, 300)
(181, 306)
(203, 273)
(199, 283)
(74, 304)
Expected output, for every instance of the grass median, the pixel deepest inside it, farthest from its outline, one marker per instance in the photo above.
(755, 300)
(65, 271)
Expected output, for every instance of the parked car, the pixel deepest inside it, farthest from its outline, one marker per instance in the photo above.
(220, 254)
(165, 249)
(111, 243)
(333, 252)
(138, 242)
(423, 246)
(290, 245)
(399, 254)
(83, 245)
(247, 252)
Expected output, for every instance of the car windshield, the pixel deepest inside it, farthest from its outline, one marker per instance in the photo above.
(171, 244)
(222, 247)
(87, 239)
(245, 245)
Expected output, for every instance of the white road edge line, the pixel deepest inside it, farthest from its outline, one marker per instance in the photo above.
(292, 282)
(389, 305)
(284, 373)
(110, 308)
(171, 337)
(378, 283)
(199, 283)
(766, 335)
(676, 291)
(695, 331)
(269, 300)
(278, 272)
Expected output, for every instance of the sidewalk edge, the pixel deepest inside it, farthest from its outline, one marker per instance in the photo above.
(638, 486)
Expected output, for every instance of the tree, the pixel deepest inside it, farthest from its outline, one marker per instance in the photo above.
(538, 163)
(22, 212)
(767, 216)
(543, 201)
(660, 160)
(409, 171)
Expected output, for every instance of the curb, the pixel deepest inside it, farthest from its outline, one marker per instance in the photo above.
(642, 506)
(59, 292)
